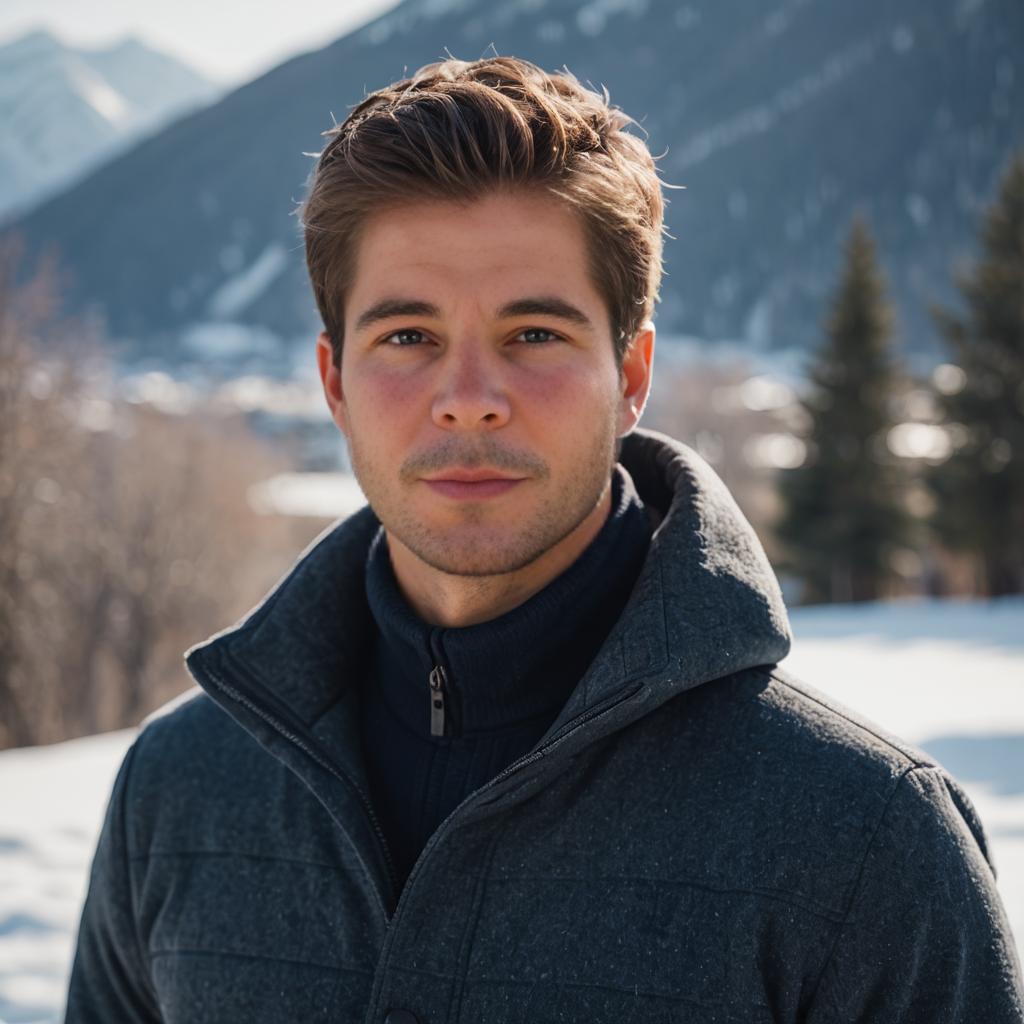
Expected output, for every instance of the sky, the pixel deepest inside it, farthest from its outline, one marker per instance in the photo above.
(230, 41)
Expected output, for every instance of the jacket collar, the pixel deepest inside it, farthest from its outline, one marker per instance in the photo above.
(706, 604)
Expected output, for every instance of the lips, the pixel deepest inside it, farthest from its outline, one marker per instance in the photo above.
(476, 484)
(470, 476)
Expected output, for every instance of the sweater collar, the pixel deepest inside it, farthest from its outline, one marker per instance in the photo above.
(524, 663)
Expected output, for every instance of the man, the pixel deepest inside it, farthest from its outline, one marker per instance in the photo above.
(510, 744)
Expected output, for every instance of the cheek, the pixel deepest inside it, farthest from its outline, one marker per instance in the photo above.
(381, 402)
(574, 398)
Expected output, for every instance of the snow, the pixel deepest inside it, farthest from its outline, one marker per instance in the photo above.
(902, 38)
(947, 676)
(550, 31)
(106, 101)
(763, 116)
(687, 18)
(321, 495)
(441, 8)
(50, 814)
(293, 398)
(239, 291)
(592, 17)
(65, 109)
(160, 390)
(227, 340)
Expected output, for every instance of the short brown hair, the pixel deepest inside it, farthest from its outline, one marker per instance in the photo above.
(457, 130)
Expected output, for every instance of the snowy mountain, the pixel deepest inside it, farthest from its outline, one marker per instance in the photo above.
(65, 110)
(947, 676)
(780, 120)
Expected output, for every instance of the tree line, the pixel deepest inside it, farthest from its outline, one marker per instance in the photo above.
(857, 506)
(125, 532)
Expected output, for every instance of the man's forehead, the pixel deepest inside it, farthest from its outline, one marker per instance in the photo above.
(516, 229)
(514, 255)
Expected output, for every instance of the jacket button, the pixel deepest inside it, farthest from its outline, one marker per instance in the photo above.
(400, 1017)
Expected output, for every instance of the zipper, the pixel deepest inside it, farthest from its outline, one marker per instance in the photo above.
(569, 729)
(437, 680)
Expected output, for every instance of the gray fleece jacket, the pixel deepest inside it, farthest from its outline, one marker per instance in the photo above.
(697, 838)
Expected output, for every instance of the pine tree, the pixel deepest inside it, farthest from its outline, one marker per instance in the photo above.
(979, 490)
(843, 508)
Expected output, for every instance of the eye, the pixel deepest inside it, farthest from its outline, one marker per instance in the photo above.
(405, 337)
(537, 335)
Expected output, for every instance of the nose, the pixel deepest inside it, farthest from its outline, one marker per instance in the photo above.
(470, 394)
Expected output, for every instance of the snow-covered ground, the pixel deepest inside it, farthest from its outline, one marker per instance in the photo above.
(947, 676)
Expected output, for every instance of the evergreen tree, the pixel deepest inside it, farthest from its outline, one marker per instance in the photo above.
(843, 508)
(980, 488)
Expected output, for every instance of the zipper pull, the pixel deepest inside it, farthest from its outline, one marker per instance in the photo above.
(437, 681)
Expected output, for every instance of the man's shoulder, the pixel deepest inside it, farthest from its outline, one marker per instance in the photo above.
(788, 755)
(190, 763)
(835, 729)
(798, 792)
(921, 791)
(189, 727)
(768, 708)
(775, 708)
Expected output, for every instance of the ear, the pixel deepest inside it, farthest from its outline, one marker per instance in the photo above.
(635, 376)
(330, 377)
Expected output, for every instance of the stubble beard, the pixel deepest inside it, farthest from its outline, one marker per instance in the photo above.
(475, 541)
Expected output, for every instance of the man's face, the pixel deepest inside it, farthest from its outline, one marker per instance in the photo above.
(478, 386)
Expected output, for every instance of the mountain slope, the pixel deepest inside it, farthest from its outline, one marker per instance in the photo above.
(65, 110)
(779, 122)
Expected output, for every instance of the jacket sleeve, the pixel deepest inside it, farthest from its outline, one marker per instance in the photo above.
(926, 936)
(110, 976)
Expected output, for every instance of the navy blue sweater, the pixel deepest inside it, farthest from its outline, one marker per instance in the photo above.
(501, 683)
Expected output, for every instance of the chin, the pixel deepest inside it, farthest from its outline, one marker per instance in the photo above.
(486, 555)
(488, 540)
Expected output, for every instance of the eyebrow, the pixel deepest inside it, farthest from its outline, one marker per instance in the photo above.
(388, 308)
(544, 305)
(547, 305)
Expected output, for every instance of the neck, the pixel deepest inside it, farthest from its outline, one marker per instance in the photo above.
(452, 601)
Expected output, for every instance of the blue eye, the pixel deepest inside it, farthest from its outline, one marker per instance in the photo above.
(547, 335)
(407, 336)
